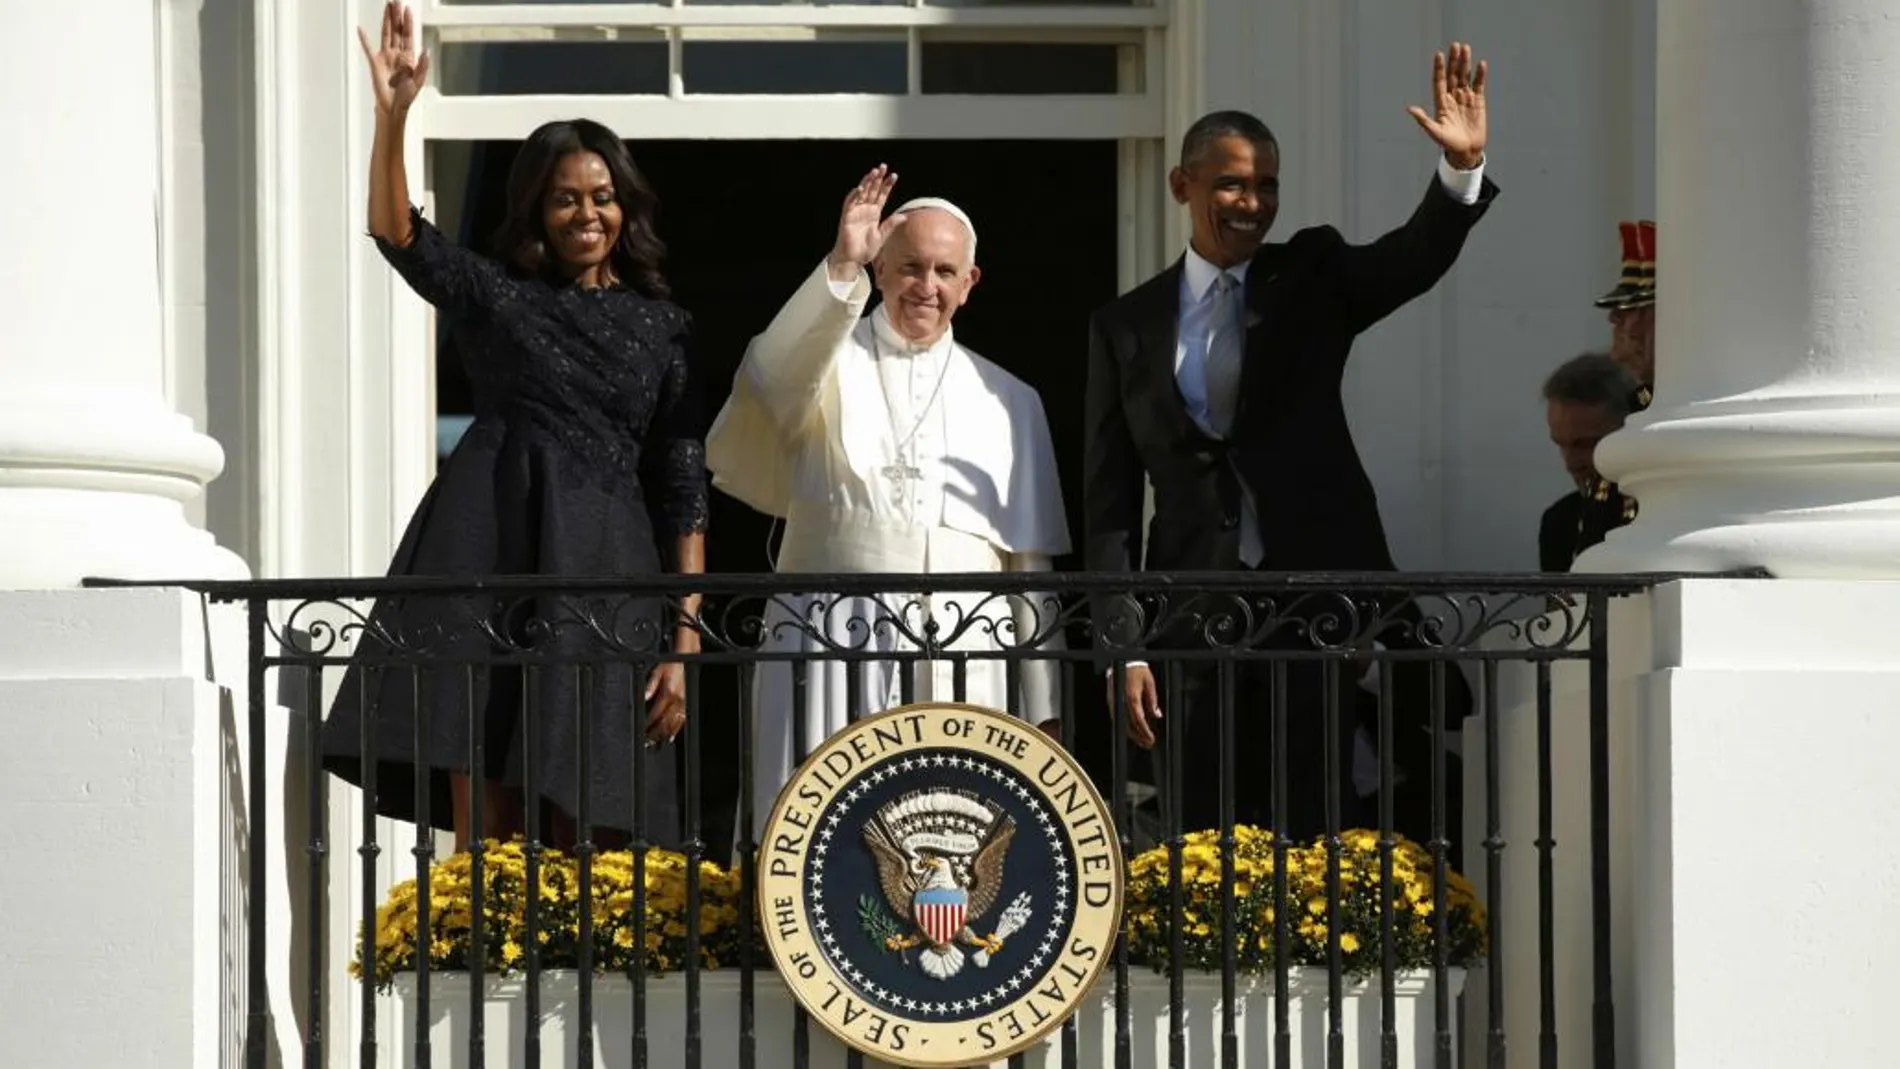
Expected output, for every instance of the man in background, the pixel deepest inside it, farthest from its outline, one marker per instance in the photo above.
(1587, 398)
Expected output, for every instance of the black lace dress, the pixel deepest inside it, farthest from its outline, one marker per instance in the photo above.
(586, 459)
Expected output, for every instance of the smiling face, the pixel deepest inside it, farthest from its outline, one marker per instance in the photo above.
(581, 216)
(925, 273)
(1232, 191)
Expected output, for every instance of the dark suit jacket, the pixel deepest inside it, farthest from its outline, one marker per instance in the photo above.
(1574, 523)
(1310, 297)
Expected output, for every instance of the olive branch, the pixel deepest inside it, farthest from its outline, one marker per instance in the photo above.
(878, 924)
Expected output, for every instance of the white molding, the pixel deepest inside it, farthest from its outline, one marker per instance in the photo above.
(374, 303)
(367, 334)
(1177, 70)
(1089, 118)
(594, 16)
(279, 282)
(167, 186)
(1141, 192)
(541, 34)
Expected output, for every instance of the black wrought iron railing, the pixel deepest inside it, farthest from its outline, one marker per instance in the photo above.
(1267, 685)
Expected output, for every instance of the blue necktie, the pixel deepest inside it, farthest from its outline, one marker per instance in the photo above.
(1221, 367)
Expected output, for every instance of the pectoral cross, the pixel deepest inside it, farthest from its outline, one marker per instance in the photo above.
(899, 472)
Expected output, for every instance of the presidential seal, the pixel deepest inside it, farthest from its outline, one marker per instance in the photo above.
(940, 885)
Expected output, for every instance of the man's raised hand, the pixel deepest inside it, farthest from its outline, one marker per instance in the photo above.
(1457, 123)
(862, 228)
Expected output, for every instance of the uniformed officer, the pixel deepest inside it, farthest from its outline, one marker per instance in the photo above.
(1631, 304)
(1592, 395)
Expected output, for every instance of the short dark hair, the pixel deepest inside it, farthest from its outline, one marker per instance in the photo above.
(1592, 379)
(1215, 126)
(521, 242)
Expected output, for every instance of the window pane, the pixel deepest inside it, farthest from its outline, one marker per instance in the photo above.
(796, 3)
(794, 66)
(1009, 3)
(832, 3)
(879, 3)
(513, 68)
(557, 3)
(757, 3)
(1027, 68)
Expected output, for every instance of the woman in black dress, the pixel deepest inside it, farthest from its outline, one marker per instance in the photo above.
(585, 459)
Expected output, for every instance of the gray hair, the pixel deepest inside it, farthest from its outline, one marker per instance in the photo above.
(1218, 125)
(1592, 379)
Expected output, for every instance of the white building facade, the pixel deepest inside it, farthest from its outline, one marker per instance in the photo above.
(209, 372)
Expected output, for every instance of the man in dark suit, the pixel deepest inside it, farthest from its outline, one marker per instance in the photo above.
(1586, 399)
(1219, 382)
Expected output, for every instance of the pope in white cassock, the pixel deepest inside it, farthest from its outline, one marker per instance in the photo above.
(887, 447)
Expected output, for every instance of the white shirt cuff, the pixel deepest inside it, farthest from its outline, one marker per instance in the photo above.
(1463, 186)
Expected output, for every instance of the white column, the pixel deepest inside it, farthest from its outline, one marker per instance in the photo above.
(1775, 440)
(95, 465)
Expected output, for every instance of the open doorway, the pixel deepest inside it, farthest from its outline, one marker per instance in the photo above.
(745, 221)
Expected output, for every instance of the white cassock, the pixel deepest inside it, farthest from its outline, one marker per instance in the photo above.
(884, 457)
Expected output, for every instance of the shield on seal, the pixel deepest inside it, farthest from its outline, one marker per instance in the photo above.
(939, 912)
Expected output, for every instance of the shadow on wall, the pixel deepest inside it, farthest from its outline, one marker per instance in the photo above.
(226, 161)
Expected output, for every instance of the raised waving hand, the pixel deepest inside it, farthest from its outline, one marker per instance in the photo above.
(1457, 121)
(396, 68)
(396, 73)
(862, 228)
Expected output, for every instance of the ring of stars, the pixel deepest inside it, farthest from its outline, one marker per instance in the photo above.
(1007, 986)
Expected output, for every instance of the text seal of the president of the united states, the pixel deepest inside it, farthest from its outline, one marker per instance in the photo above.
(940, 885)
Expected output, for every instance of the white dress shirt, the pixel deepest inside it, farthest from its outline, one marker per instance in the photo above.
(1195, 328)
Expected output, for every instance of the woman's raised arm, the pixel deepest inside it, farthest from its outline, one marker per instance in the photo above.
(396, 71)
(454, 279)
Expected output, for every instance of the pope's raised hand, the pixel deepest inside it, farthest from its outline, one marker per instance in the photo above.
(1457, 122)
(862, 228)
(396, 69)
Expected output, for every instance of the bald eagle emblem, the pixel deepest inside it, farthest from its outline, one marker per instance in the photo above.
(940, 858)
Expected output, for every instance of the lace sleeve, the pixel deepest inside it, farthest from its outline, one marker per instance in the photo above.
(448, 276)
(674, 457)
